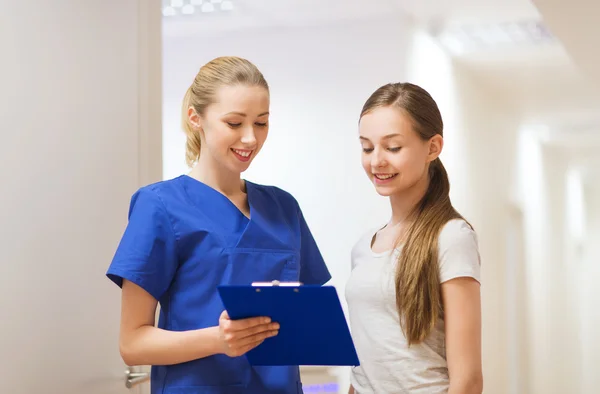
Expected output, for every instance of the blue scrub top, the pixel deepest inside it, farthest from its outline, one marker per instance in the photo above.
(184, 239)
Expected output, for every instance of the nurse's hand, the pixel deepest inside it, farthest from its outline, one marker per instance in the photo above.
(240, 336)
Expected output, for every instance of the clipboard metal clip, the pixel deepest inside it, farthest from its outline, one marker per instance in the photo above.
(276, 283)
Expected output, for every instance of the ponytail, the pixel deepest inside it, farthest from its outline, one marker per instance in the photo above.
(418, 295)
(192, 144)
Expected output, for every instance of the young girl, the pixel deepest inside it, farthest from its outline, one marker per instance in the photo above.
(413, 295)
(190, 234)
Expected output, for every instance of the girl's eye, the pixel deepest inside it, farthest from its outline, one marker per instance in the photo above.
(234, 124)
(394, 149)
(367, 150)
(261, 124)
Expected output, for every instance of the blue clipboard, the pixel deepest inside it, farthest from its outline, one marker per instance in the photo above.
(313, 329)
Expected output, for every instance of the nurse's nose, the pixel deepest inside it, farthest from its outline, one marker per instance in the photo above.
(378, 159)
(248, 137)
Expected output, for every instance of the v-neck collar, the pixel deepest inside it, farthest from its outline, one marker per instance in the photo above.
(259, 232)
(223, 197)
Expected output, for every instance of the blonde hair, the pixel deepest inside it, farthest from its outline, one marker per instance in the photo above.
(418, 293)
(219, 72)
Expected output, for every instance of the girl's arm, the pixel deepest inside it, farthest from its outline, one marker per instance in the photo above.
(141, 343)
(462, 315)
(351, 390)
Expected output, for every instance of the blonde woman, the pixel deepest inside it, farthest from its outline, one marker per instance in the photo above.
(210, 227)
(413, 295)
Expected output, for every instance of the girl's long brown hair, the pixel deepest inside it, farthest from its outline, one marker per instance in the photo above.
(418, 295)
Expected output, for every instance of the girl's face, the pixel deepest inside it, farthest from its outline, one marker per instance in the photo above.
(234, 128)
(394, 156)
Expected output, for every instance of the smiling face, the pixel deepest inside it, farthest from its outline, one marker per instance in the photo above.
(394, 156)
(234, 127)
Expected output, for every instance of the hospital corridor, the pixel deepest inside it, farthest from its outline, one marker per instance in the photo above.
(91, 99)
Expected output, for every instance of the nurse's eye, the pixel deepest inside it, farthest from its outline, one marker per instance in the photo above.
(367, 150)
(234, 125)
(394, 149)
(259, 124)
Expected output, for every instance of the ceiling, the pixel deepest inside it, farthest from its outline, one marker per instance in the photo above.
(541, 80)
(575, 24)
(550, 83)
(468, 11)
(278, 13)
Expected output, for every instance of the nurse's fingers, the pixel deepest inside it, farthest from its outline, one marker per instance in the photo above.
(243, 324)
(257, 330)
(245, 344)
(224, 316)
(239, 347)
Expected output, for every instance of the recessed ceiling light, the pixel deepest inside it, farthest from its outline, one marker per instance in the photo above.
(169, 11)
(208, 7)
(172, 8)
(471, 38)
(187, 9)
(226, 5)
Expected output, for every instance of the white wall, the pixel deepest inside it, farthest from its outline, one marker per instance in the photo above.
(561, 255)
(558, 376)
(320, 78)
(588, 276)
(575, 235)
(532, 191)
(490, 150)
(79, 121)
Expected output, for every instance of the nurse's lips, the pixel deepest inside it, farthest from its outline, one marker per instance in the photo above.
(242, 154)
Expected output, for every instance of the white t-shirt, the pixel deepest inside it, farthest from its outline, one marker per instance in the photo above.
(388, 365)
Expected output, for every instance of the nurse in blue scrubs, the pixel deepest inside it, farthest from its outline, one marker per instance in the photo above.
(188, 235)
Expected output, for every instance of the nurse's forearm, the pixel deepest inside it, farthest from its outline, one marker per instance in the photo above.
(149, 345)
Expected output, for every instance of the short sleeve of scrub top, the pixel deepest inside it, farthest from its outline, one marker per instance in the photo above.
(183, 240)
(146, 254)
